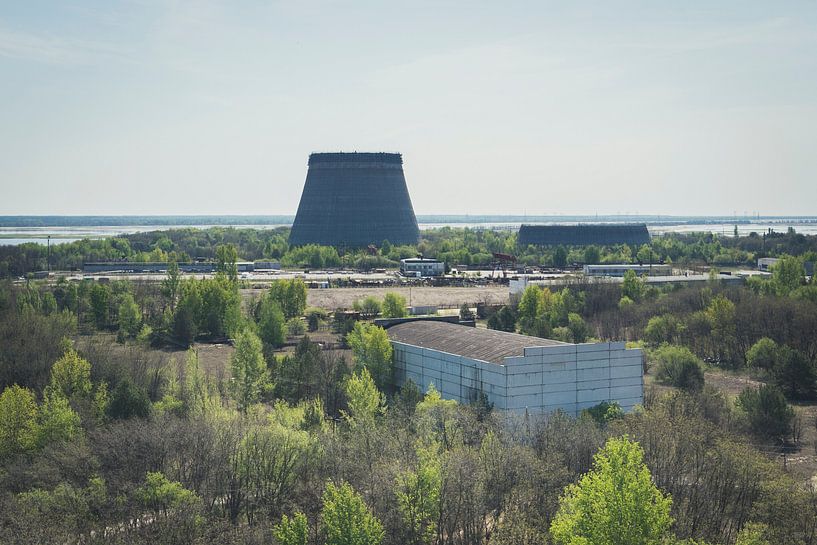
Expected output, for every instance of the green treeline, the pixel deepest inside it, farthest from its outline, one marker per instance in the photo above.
(455, 246)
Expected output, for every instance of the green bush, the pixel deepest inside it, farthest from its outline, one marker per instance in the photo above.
(767, 411)
(677, 366)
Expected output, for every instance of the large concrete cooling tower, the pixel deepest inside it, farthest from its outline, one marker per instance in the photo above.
(353, 200)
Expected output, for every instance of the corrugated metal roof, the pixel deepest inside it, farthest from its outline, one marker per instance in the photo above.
(476, 343)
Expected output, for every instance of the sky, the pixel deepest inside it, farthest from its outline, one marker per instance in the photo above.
(611, 107)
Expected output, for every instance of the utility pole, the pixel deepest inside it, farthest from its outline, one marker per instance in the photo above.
(48, 258)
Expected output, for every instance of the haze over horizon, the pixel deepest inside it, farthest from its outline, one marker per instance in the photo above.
(155, 108)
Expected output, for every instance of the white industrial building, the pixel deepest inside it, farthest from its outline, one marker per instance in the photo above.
(619, 269)
(422, 266)
(516, 372)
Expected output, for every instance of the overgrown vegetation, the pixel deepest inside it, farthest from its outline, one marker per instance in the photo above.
(104, 442)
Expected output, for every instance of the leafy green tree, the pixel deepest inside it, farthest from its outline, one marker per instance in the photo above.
(130, 317)
(128, 400)
(346, 520)
(578, 328)
(533, 310)
(220, 307)
(788, 274)
(49, 303)
(592, 255)
(57, 421)
(290, 295)
(767, 411)
(171, 286)
(194, 391)
(226, 259)
(315, 317)
(503, 320)
(679, 367)
(295, 327)
(752, 534)
(369, 307)
(559, 257)
(101, 402)
(418, 496)
(18, 421)
(372, 350)
(296, 374)
(632, 286)
(794, 373)
(437, 419)
(363, 398)
(721, 314)
(666, 328)
(271, 322)
(466, 314)
(100, 300)
(186, 317)
(248, 370)
(71, 376)
(162, 496)
(615, 503)
(764, 354)
(292, 531)
(645, 255)
(394, 305)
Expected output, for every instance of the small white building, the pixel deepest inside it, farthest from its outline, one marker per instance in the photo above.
(766, 263)
(421, 266)
(618, 269)
(516, 372)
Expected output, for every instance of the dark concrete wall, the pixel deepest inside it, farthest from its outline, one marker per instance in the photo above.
(583, 235)
(353, 200)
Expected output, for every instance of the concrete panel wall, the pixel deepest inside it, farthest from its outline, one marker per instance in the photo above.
(570, 378)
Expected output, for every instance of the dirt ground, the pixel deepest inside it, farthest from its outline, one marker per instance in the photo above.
(801, 462)
(420, 296)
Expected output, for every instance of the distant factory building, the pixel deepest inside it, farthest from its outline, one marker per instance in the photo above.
(516, 372)
(421, 267)
(618, 269)
(584, 235)
(352, 200)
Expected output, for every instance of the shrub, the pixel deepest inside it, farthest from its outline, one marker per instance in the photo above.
(295, 326)
(128, 400)
(767, 411)
(678, 367)
(394, 305)
(763, 354)
(662, 329)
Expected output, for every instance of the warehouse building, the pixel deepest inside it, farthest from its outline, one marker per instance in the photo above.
(516, 372)
(610, 234)
(619, 269)
(421, 267)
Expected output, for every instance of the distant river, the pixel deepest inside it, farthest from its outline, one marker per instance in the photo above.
(11, 236)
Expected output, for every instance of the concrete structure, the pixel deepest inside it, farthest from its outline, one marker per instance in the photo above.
(516, 372)
(766, 263)
(351, 200)
(150, 267)
(421, 266)
(267, 265)
(618, 269)
(584, 235)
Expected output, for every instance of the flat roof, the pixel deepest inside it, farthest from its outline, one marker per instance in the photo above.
(476, 343)
(420, 260)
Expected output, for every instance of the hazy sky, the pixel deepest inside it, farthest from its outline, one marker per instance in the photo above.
(203, 107)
